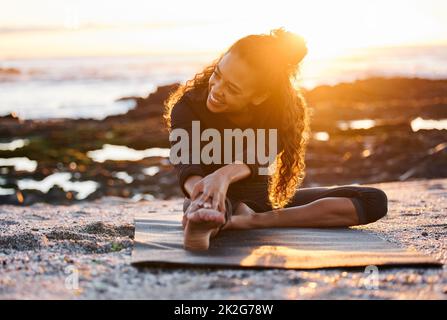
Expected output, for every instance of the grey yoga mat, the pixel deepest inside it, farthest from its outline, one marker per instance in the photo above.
(159, 242)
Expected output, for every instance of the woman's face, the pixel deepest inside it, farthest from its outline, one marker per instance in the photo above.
(232, 86)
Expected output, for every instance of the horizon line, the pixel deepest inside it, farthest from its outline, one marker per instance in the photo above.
(201, 52)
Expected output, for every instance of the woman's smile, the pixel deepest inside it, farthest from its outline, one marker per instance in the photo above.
(215, 102)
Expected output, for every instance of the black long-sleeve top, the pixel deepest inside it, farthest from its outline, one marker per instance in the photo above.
(192, 107)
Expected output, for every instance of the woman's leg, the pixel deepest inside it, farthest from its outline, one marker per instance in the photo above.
(321, 207)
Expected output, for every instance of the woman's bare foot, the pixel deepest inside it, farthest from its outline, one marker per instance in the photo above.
(201, 225)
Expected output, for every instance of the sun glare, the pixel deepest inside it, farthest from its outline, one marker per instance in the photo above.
(142, 27)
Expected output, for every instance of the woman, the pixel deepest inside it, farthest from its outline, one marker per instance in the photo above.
(250, 86)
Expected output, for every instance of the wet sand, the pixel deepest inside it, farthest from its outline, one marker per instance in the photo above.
(44, 247)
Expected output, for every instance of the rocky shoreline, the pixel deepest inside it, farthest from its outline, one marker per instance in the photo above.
(385, 145)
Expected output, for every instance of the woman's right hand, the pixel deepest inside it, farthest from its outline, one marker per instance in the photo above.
(212, 188)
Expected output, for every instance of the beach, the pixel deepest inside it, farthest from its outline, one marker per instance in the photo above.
(87, 168)
(70, 188)
(43, 246)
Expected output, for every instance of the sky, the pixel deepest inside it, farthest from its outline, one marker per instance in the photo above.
(58, 28)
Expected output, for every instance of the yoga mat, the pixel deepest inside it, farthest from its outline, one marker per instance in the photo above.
(159, 242)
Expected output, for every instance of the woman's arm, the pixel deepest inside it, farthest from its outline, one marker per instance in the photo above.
(234, 171)
(181, 118)
(230, 173)
(214, 186)
(190, 174)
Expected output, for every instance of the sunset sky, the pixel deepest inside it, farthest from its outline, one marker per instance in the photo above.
(49, 28)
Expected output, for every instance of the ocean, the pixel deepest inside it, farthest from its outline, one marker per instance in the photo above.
(88, 87)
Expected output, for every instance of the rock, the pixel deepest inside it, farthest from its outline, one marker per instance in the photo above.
(9, 71)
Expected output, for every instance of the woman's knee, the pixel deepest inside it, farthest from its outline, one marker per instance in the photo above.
(376, 204)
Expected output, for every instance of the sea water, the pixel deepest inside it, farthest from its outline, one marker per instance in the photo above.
(89, 87)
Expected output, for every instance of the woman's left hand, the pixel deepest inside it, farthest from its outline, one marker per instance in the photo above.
(212, 188)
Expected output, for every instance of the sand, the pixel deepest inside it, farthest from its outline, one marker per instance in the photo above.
(83, 251)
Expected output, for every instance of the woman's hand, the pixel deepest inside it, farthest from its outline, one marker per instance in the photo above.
(212, 188)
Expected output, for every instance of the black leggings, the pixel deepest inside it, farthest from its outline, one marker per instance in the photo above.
(371, 203)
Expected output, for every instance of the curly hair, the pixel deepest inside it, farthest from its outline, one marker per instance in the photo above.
(277, 56)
